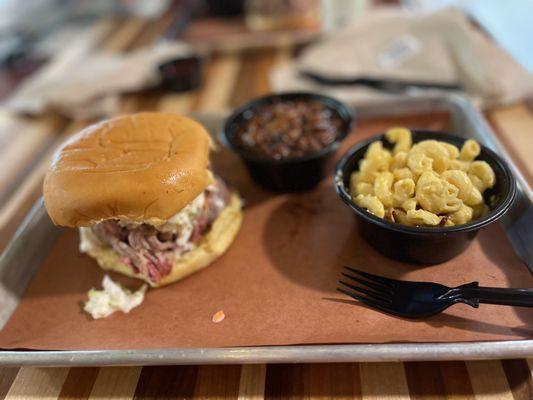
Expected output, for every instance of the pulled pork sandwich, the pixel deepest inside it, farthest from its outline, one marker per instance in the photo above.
(140, 190)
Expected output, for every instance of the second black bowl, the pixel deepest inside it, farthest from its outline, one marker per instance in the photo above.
(423, 245)
(287, 174)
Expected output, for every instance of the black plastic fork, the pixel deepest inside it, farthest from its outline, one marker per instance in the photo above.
(422, 299)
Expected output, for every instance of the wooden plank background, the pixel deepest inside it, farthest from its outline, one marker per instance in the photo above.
(26, 145)
(501, 380)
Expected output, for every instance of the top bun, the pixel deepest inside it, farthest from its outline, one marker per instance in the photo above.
(141, 168)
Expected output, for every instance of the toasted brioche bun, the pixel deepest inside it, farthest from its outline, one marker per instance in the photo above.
(140, 168)
(212, 245)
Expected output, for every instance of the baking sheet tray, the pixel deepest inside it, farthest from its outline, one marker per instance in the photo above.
(38, 231)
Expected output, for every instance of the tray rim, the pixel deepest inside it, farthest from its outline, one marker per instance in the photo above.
(370, 352)
(331, 353)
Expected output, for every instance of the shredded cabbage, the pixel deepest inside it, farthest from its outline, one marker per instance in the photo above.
(113, 297)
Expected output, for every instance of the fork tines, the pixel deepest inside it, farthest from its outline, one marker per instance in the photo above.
(377, 290)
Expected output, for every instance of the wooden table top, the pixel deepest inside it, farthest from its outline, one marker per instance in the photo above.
(26, 147)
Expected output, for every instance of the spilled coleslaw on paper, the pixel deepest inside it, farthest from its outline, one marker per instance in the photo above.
(113, 298)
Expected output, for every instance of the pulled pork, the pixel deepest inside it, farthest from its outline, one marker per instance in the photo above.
(151, 250)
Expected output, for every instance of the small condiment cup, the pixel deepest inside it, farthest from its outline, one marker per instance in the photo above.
(292, 173)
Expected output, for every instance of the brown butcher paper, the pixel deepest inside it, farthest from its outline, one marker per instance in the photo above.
(276, 284)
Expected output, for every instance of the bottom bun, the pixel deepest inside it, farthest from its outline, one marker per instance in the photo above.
(212, 245)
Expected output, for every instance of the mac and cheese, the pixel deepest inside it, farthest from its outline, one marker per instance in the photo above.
(429, 183)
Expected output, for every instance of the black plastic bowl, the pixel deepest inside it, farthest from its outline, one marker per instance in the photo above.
(425, 245)
(288, 174)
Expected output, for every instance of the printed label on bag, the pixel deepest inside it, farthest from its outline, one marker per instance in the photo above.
(399, 51)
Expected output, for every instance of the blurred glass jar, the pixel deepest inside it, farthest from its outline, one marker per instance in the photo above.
(339, 13)
(265, 15)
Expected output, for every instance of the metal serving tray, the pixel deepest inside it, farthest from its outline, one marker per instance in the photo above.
(33, 239)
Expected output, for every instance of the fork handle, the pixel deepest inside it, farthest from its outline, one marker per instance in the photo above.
(503, 296)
